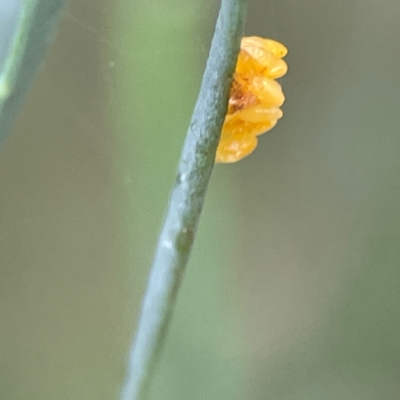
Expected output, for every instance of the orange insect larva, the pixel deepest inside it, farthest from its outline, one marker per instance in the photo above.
(255, 98)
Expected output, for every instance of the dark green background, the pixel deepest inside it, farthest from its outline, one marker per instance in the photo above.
(293, 289)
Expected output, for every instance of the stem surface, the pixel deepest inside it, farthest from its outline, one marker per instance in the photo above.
(186, 202)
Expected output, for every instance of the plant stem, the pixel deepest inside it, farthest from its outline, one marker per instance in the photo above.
(186, 203)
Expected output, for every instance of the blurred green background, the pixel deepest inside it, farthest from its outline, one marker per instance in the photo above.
(292, 292)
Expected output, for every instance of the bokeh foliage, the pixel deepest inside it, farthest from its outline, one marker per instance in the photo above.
(292, 292)
(35, 27)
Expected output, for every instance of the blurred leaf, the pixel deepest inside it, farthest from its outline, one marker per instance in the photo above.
(36, 27)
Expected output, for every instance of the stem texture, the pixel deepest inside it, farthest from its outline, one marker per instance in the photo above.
(186, 202)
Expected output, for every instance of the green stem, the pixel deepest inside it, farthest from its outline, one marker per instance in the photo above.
(186, 203)
(36, 27)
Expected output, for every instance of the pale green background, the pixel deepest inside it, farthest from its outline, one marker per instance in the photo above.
(293, 289)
